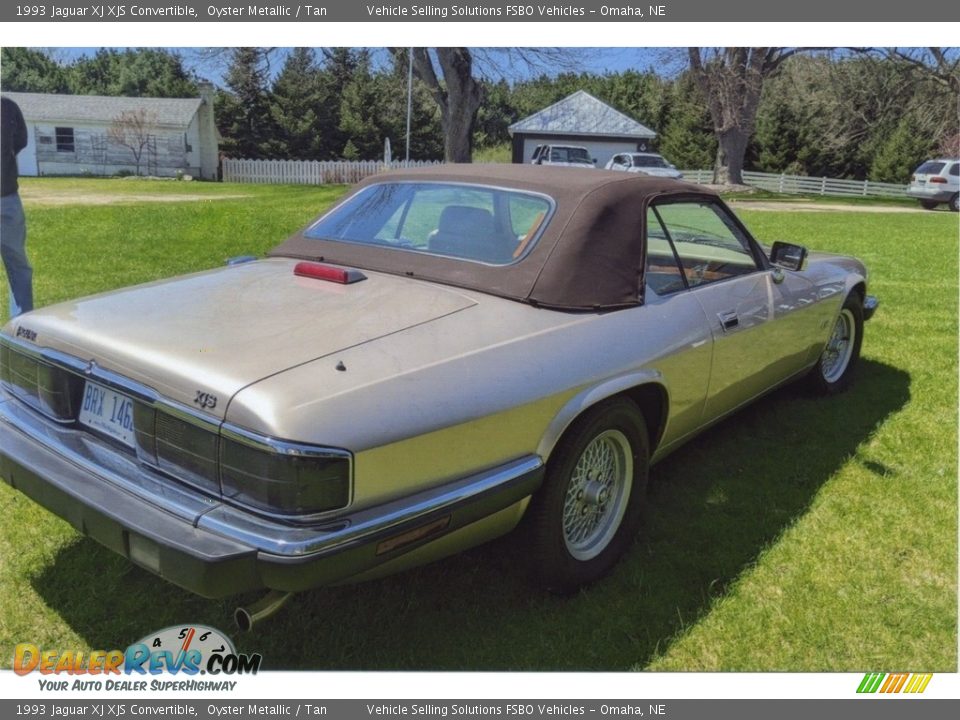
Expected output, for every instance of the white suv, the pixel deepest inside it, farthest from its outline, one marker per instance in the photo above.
(935, 182)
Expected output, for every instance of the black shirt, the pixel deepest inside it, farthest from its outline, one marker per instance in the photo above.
(13, 138)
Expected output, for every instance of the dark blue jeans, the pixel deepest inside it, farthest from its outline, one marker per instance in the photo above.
(13, 241)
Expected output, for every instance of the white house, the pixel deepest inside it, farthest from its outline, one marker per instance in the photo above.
(580, 119)
(70, 135)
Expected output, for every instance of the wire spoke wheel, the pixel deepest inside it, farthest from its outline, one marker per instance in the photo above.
(597, 494)
(839, 350)
(589, 508)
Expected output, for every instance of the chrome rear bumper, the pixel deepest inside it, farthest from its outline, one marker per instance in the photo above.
(216, 550)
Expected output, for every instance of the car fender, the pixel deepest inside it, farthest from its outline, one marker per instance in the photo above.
(590, 396)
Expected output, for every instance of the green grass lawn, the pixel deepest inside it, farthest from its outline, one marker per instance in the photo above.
(801, 534)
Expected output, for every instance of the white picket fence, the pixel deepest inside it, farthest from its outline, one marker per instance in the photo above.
(310, 172)
(800, 185)
(319, 172)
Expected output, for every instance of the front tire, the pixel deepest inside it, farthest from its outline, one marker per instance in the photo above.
(588, 511)
(834, 370)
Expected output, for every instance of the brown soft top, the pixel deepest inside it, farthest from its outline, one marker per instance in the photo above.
(588, 257)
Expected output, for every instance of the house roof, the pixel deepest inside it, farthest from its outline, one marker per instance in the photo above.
(581, 114)
(176, 112)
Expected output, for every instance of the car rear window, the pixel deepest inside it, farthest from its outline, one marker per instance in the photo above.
(482, 224)
(569, 154)
(930, 168)
(649, 161)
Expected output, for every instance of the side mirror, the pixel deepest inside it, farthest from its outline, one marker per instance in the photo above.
(788, 256)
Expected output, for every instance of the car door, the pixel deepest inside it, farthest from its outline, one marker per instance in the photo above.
(754, 311)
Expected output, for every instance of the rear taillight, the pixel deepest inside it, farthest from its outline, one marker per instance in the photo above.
(187, 449)
(48, 389)
(938, 179)
(283, 478)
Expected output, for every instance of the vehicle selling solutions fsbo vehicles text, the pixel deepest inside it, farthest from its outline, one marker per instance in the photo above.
(444, 11)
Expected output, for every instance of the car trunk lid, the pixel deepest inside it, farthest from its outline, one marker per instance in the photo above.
(214, 333)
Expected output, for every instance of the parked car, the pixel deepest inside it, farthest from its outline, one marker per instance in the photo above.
(935, 182)
(562, 155)
(445, 354)
(646, 163)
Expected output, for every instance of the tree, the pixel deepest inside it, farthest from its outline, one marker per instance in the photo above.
(731, 80)
(687, 139)
(136, 72)
(243, 113)
(940, 65)
(28, 70)
(133, 129)
(374, 107)
(905, 148)
(303, 111)
(458, 96)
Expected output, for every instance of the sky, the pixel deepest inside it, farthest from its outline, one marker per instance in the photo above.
(596, 60)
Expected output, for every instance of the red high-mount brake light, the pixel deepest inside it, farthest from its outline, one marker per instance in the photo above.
(320, 271)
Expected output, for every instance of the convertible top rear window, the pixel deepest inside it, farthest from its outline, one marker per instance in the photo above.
(470, 222)
(558, 237)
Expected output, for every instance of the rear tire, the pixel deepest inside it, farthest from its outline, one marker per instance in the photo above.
(588, 511)
(928, 204)
(834, 370)
(955, 202)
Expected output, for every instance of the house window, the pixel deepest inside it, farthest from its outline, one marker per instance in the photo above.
(65, 139)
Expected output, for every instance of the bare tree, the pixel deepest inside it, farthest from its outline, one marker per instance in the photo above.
(133, 129)
(731, 80)
(940, 65)
(458, 90)
(455, 90)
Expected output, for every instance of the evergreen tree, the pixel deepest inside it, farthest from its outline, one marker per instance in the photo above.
(140, 72)
(902, 151)
(243, 113)
(28, 70)
(302, 110)
(687, 139)
(361, 118)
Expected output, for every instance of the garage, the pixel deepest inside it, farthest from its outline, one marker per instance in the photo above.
(581, 119)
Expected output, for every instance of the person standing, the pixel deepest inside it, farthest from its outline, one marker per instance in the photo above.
(13, 226)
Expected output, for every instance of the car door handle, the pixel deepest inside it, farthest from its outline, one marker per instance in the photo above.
(729, 320)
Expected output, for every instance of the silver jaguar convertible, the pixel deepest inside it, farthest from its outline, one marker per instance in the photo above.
(444, 356)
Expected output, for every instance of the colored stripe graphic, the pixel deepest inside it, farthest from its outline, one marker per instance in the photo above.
(871, 682)
(893, 683)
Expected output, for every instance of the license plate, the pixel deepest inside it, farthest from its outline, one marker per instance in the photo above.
(108, 412)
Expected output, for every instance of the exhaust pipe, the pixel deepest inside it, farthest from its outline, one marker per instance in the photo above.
(265, 607)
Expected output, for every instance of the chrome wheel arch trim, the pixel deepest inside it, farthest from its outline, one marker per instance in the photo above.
(590, 396)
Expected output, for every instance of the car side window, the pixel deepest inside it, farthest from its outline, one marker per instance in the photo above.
(708, 243)
(662, 273)
(955, 169)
